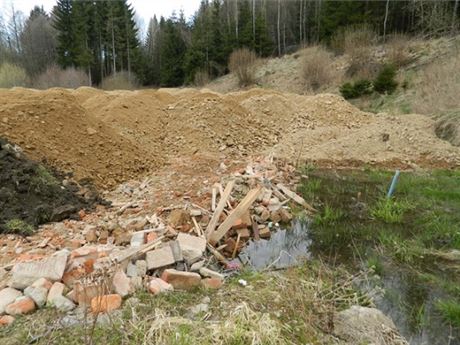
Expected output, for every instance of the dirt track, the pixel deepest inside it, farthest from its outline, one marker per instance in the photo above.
(115, 136)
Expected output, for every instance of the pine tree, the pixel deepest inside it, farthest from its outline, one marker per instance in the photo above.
(173, 51)
(65, 37)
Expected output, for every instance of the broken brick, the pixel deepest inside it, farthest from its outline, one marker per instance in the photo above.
(181, 280)
(105, 304)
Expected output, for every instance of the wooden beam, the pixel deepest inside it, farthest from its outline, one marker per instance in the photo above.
(242, 207)
(297, 198)
(220, 207)
(130, 252)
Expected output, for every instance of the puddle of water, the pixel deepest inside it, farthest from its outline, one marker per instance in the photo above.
(407, 301)
(284, 249)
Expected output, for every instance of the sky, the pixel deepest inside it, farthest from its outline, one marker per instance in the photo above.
(145, 9)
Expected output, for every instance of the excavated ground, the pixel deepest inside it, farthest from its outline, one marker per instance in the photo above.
(112, 137)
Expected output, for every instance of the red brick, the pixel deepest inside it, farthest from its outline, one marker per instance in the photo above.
(181, 280)
(158, 285)
(212, 283)
(6, 320)
(105, 304)
(23, 305)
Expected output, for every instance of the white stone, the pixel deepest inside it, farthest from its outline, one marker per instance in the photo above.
(63, 303)
(8, 296)
(160, 258)
(26, 273)
(38, 294)
(192, 247)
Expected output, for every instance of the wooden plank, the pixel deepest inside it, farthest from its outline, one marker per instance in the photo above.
(130, 252)
(297, 198)
(242, 207)
(220, 207)
(255, 229)
(221, 192)
(218, 255)
(199, 231)
(214, 196)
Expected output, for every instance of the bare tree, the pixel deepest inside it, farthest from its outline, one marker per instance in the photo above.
(454, 16)
(15, 26)
(278, 28)
(386, 19)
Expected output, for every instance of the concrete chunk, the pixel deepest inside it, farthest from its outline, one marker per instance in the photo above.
(160, 258)
(26, 273)
(206, 272)
(192, 247)
(8, 296)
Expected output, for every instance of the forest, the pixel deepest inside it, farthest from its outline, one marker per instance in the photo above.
(101, 38)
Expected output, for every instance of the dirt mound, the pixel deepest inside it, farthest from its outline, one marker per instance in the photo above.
(51, 125)
(31, 195)
(117, 135)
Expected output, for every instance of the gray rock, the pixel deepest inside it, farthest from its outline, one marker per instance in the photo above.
(63, 303)
(38, 294)
(8, 296)
(361, 325)
(26, 273)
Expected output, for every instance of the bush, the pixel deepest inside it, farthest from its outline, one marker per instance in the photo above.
(18, 226)
(385, 81)
(242, 63)
(357, 43)
(201, 78)
(357, 89)
(54, 76)
(12, 75)
(397, 51)
(120, 81)
(317, 70)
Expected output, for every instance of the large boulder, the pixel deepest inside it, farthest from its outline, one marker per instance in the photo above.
(360, 325)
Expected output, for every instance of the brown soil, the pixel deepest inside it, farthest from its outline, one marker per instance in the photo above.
(120, 135)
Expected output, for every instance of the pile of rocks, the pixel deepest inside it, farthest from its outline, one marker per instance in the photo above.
(178, 248)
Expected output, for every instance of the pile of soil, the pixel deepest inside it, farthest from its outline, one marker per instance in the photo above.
(115, 136)
(31, 194)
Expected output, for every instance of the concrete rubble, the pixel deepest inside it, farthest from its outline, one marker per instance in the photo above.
(179, 247)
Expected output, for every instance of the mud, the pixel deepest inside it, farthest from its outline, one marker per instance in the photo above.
(32, 194)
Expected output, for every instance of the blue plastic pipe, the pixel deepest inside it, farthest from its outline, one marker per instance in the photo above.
(394, 181)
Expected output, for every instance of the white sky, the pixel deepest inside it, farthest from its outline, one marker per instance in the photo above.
(145, 9)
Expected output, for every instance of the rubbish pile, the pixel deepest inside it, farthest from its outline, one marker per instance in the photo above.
(177, 248)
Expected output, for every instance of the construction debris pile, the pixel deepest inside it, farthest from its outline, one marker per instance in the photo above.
(178, 247)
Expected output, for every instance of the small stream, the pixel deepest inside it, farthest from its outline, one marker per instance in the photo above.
(407, 300)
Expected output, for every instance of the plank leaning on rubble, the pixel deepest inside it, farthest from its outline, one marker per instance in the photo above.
(220, 207)
(298, 199)
(242, 207)
(130, 252)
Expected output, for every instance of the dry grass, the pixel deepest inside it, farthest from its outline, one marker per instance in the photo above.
(55, 76)
(317, 68)
(397, 49)
(12, 75)
(120, 81)
(242, 63)
(201, 78)
(292, 307)
(357, 42)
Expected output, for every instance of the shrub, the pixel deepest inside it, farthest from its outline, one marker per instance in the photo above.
(385, 81)
(54, 76)
(18, 226)
(317, 70)
(201, 78)
(397, 52)
(357, 43)
(242, 63)
(356, 89)
(120, 81)
(12, 75)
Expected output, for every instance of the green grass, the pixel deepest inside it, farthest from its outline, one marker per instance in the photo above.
(18, 226)
(390, 210)
(289, 307)
(450, 310)
(42, 180)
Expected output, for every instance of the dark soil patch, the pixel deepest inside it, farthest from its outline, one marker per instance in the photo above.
(33, 194)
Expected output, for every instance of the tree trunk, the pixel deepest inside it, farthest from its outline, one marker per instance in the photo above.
(300, 22)
(113, 50)
(386, 20)
(254, 20)
(454, 16)
(236, 19)
(278, 28)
